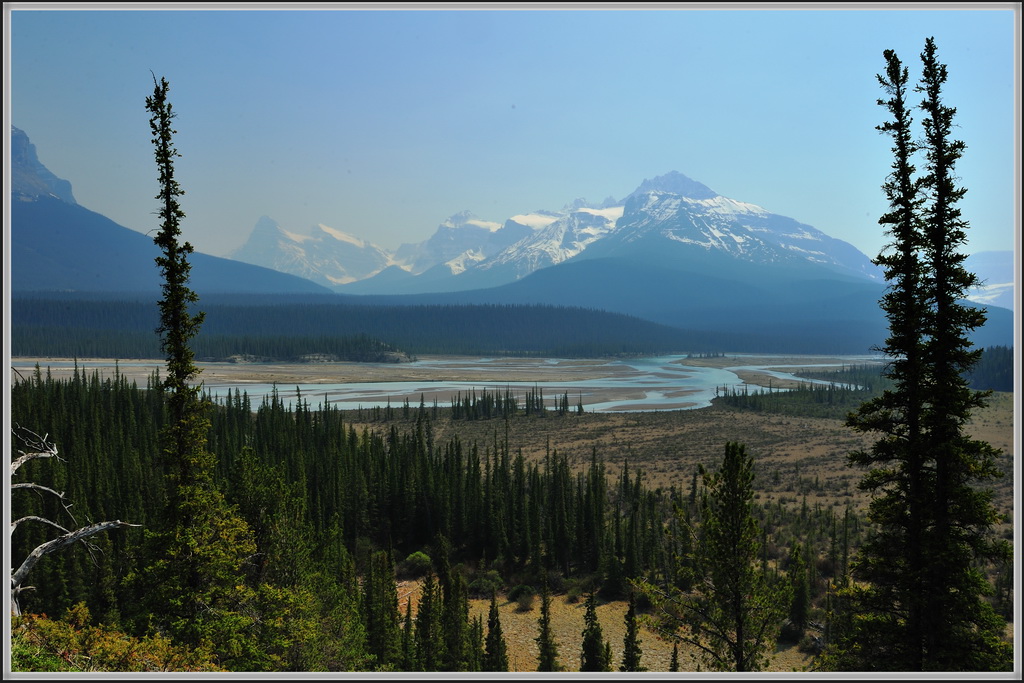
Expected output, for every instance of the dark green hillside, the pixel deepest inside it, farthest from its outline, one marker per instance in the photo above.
(64, 247)
(124, 329)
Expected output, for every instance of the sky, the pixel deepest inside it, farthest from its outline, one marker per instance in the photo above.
(383, 122)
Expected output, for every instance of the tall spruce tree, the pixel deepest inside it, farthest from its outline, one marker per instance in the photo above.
(919, 604)
(380, 610)
(962, 630)
(195, 588)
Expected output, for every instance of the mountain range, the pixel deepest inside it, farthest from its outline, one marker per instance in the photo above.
(672, 251)
(466, 252)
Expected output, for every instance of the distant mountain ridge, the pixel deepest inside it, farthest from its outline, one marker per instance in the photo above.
(29, 177)
(327, 256)
(57, 244)
(466, 252)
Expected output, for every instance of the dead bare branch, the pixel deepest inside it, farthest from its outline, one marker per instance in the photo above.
(38, 447)
(30, 485)
(41, 447)
(35, 518)
(18, 577)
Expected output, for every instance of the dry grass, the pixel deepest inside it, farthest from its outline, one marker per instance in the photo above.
(520, 628)
(668, 446)
(795, 457)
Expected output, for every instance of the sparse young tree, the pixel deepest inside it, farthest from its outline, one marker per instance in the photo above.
(733, 615)
(547, 659)
(430, 648)
(919, 601)
(495, 649)
(800, 605)
(592, 649)
(408, 660)
(631, 651)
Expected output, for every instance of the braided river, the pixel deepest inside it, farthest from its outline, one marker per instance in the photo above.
(673, 382)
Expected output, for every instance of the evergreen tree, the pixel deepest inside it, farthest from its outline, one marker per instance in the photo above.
(195, 588)
(380, 609)
(734, 614)
(592, 649)
(409, 660)
(961, 629)
(920, 604)
(547, 659)
(631, 651)
(474, 656)
(673, 664)
(430, 648)
(495, 648)
(800, 605)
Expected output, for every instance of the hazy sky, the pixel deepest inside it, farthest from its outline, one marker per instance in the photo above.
(383, 123)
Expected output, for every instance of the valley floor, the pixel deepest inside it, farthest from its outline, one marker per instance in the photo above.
(798, 460)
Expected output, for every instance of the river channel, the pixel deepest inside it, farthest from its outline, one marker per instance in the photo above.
(612, 385)
(615, 385)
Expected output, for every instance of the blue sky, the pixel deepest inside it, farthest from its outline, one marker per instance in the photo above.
(383, 123)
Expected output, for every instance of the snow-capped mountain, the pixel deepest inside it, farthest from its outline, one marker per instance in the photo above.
(554, 238)
(327, 256)
(675, 209)
(663, 213)
(467, 252)
(459, 243)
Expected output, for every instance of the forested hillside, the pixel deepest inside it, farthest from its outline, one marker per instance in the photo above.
(124, 329)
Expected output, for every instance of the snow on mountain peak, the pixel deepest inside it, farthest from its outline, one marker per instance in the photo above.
(670, 207)
(674, 182)
(489, 226)
(536, 221)
(341, 236)
(295, 236)
(611, 213)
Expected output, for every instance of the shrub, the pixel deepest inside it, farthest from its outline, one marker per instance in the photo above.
(810, 645)
(41, 644)
(520, 590)
(791, 633)
(525, 601)
(485, 584)
(416, 564)
(556, 582)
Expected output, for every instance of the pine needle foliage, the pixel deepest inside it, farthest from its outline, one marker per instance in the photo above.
(918, 603)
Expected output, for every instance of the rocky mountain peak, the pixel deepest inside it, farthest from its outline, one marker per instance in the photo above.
(28, 175)
(674, 182)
